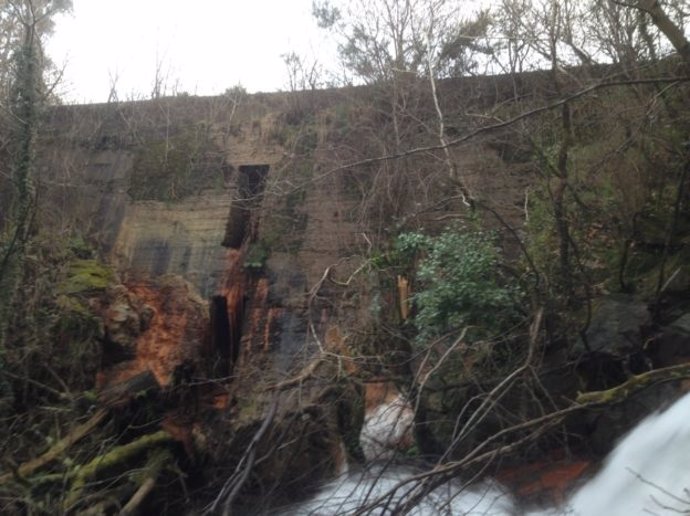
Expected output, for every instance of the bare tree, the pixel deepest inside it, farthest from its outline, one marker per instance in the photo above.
(27, 93)
(659, 16)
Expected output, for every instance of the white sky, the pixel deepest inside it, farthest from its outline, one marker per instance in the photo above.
(205, 46)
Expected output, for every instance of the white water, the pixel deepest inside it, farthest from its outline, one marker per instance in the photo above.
(385, 428)
(647, 473)
(347, 495)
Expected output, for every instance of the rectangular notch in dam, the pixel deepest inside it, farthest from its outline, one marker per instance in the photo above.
(251, 180)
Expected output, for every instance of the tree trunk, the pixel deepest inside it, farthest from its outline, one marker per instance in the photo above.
(674, 33)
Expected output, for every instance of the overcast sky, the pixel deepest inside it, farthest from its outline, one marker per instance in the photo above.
(204, 46)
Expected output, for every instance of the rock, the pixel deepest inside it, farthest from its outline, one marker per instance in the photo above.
(682, 324)
(611, 423)
(616, 323)
(124, 319)
(154, 326)
(676, 276)
(671, 346)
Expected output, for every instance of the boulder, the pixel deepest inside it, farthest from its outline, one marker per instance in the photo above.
(125, 317)
(616, 325)
(671, 345)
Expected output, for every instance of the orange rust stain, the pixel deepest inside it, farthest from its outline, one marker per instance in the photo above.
(234, 295)
(233, 282)
(272, 314)
(379, 392)
(181, 432)
(221, 401)
(256, 317)
(233, 271)
(551, 480)
(168, 341)
(233, 289)
(161, 347)
(404, 297)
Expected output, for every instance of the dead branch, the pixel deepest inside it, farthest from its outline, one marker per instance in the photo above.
(112, 458)
(500, 125)
(234, 483)
(122, 392)
(153, 470)
(441, 473)
(497, 393)
(634, 384)
(58, 448)
(306, 373)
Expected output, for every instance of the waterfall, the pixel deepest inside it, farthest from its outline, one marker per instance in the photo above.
(647, 473)
(349, 494)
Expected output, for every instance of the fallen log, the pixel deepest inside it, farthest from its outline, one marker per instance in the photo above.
(58, 448)
(634, 384)
(152, 470)
(138, 385)
(112, 458)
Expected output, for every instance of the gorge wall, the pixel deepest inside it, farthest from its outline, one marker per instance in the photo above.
(240, 256)
(236, 199)
(251, 308)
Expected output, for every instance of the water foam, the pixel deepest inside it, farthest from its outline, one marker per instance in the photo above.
(647, 473)
(357, 491)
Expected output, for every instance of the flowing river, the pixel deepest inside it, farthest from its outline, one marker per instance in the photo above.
(647, 473)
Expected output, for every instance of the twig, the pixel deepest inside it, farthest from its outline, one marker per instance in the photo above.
(234, 483)
(300, 378)
(502, 388)
(500, 125)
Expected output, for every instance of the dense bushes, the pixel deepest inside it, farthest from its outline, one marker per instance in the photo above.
(460, 284)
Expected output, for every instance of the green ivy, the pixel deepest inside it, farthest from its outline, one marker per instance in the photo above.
(459, 284)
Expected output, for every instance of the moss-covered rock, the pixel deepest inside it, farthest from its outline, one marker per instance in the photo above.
(86, 276)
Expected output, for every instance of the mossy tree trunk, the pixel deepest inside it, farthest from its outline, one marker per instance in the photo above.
(24, 101)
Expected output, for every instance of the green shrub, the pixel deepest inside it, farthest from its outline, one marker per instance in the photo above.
(459, 284)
